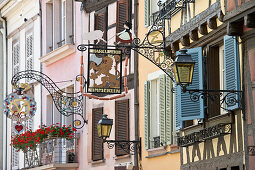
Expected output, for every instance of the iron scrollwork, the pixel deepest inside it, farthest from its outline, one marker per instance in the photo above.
(205, 134)
(66, 103)
(225, 98)
(127, 146)
(251, 150)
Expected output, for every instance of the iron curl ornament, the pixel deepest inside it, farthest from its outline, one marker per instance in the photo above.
(66, 103)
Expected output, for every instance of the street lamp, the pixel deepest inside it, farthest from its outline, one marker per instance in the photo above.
(183, 68)
(104, 127)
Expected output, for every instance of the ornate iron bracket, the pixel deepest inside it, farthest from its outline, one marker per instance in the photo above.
(224, 98)
(127, 146)
(66, 103)
(251, 150)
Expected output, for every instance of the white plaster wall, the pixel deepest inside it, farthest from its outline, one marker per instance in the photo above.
(15, 12)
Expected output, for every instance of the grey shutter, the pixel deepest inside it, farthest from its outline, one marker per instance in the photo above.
(162, 108)
(146, 12)
(232, 70)
(121, 124)
(147, 114)
(97, 143)
(190, 110)
(169, 110)
(16, 57)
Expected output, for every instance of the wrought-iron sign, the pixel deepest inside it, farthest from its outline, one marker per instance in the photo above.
(205, 134)
(251, 150)
(104, 71)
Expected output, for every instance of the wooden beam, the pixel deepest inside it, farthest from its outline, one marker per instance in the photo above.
(212, 23)
(185, 41)
(203, 29)
(175, 46)
(235, 28)
(249, 20)
(194, 35)
(220, 16)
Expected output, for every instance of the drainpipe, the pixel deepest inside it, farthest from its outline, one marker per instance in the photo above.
(6, 86)
(136, 84)
(40, 12)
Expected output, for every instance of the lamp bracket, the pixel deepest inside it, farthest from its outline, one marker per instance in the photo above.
(225, 97)
(128, 146)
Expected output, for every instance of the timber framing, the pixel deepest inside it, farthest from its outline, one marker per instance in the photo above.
(198, 23)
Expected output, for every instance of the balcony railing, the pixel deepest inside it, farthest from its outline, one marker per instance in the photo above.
(53, 151)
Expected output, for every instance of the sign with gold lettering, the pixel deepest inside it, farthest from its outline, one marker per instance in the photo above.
(104, 71)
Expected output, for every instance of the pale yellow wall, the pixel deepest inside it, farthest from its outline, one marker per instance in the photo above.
(168, 161)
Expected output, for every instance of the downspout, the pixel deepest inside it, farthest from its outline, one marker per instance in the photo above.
(6, 86)
(40, 11)
(136, 84)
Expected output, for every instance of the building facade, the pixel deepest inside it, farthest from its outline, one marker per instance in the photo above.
(21, 47)
(109, 17)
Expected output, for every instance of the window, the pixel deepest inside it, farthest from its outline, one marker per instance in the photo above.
(151, 9)
(121, 124)
(158, 110)
(58, 32)
(16, 56)
(100, 24)
(219, 69)
(122, 14)
(15, 154)
(97, 143)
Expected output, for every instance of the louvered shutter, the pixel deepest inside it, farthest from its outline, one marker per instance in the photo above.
(16, 57)
(97, 143)
(121, 124)
(29, 53)
(15, 153)
(146, 12)
(146, 114)
(122, 14)
(162, 108)
(232, 70)
(169, 110)
(188, 109)
(178, 122)
(100, 24)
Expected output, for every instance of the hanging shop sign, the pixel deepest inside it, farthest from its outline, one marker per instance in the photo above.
(104, 71)
(19, 108)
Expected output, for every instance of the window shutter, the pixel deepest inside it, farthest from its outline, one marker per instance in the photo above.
(122, 14)
(169, 110)
(188, 109)
(97, 143)
(146, 12)
(121, 124)
(178, 122)
(100, 24)
(15, 153)
(29, 53)
(162, 108)
(232, 70)
(146, 114)
(16, 57)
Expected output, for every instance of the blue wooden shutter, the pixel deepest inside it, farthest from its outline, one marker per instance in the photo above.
(232, 70)
(190, 110)
(147, 114)
(177, 110)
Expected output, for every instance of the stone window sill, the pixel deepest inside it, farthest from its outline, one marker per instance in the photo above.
(58, 54)
(97, 162)
(122, 157)
(156, 152)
